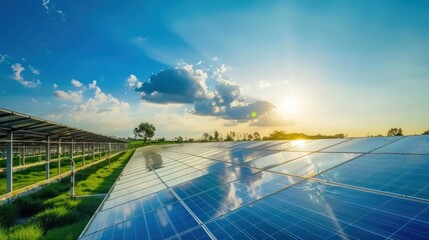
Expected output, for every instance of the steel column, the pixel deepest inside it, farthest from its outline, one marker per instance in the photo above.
(9, 162)
(48, 157)
(93, 151)
(59, 156)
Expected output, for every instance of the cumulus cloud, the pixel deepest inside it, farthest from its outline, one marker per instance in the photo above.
(76, 83)
(264, 84)
(175, 85)
(97, 109)
(17, 70)
(75, 96)
(186, 84)
(133, 81)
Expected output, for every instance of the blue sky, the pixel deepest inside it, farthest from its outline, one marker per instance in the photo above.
(354, 67)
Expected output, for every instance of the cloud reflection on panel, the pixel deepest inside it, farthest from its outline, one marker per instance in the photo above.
(186, 85)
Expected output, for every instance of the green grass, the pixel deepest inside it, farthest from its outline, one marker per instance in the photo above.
(140, 143)
(36, 174)
(53, 215)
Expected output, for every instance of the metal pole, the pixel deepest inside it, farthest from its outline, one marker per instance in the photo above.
(59, 156)
(93, 151)
(40, 153)
(110, 150)
(9, 162)
(48, 157)
(72, 149)
(20, 155)
(99, 151)
(72, 179)
(83, 153)
(23, 154)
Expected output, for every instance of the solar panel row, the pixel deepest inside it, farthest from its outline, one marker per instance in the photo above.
(322, 189)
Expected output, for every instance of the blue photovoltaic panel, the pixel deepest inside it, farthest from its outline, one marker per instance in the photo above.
(411, 144)
(225, 198)
(362, 145)
(313, 146)
(319, 189)
(313, 164)
(396, 173)
(314, 210)
(274, 159)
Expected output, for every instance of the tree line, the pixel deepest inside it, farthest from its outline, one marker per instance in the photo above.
(146, 131)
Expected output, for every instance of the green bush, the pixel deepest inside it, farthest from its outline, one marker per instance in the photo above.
(50, 192)
(7, 215)
(69, 232)
(25, 232)
(2, 233)
(28, 206)
(55, 217)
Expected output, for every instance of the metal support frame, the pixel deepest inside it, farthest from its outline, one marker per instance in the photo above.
(110, 152)
(93, 151)
(83, 153)
(48, 157)
(59, 156)
(72, 149)
(40, 153)
(9, 162)
(72, 178)
(23, 154)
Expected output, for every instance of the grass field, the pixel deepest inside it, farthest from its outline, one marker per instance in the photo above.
(51, 214)
(34, 174)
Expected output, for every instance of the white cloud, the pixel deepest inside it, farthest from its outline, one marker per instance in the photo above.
(93, 84)
(219, 72)
(140, 39)
(133, 81)
(75, 96)
(264, 84)
(48, 5)
(45, 4)
(55, 86)
(3, 58)
(34, 100)
(34, 70)
(99, 112)
(76, 83)
(215, 58)
(17, 76)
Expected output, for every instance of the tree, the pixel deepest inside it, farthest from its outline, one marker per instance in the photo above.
(216, 136)
(394, 132)
(205, 137)
(426, 133)
(256, 136)
(340, 135)
(179, 139)
(145, 131)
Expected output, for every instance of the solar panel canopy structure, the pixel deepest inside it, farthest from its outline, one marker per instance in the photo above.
(360, 188)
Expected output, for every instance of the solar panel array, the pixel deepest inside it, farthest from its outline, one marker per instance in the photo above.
(361, 188)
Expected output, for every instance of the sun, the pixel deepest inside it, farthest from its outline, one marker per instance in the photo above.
(290, 105)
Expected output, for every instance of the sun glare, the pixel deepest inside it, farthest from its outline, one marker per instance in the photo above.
(289, 106)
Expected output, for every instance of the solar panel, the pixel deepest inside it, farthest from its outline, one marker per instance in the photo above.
(364, 188)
